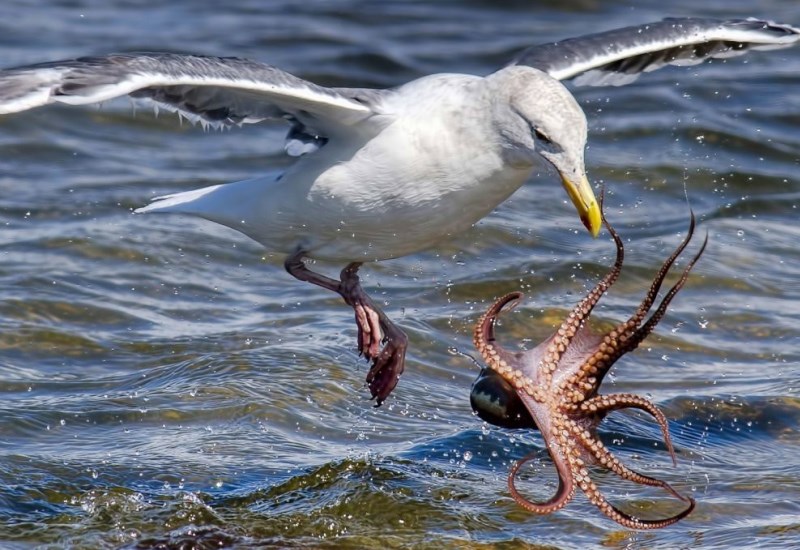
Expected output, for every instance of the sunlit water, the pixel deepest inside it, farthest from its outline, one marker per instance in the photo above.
(165, 382)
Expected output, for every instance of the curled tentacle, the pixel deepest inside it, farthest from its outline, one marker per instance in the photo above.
(483, 336)
(566, 483)
(484, 331)
(625, 519)
(603, 404)
(604, 457)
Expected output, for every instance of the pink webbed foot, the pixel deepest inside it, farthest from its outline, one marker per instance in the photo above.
(379, 340)
(388, 365)
(375, 330)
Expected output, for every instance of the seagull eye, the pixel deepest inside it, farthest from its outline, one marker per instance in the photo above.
(542, 137)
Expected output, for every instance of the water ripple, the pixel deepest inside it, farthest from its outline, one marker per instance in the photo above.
(166, 385)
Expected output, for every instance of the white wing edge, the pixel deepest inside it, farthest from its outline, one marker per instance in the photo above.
(721, 34)
(338, 107)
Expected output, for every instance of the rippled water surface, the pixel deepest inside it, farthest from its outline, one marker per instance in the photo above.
(164, 382)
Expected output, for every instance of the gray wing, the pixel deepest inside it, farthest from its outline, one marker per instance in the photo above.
(619, 56)
(212, 90)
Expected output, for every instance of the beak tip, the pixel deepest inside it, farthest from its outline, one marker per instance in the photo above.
(593, 229)
(592, 219)
(580, 191)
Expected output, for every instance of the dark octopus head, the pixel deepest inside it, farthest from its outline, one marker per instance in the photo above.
(496, 401)
(554, 387)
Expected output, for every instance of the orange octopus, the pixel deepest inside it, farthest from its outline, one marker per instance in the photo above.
(554, 387)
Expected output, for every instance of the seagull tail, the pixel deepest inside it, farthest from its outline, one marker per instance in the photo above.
(186, 202)
(241, 205)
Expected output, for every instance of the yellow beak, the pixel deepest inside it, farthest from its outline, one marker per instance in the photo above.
(583, 198)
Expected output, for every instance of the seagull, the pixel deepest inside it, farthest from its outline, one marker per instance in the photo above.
(383, 173)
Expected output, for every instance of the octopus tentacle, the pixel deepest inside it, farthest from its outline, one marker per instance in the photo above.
(566, 332)
(604, 457)
(604, 404)
(587, 379)
(654, 319)
(560, 449)
(627, 336)
(652, 293)
(496, 356)
(557, 383)
(596, 497)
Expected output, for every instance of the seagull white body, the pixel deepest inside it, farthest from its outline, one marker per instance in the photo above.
(386, 173)
(418, 171)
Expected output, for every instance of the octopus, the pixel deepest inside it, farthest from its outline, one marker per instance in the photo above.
(555, 387)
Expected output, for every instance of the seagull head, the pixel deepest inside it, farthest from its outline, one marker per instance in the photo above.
(539, 119)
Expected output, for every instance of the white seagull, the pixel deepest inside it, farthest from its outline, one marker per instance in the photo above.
(385, 173)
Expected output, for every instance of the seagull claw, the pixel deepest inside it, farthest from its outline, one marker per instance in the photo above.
(388, 365)
(375, 329)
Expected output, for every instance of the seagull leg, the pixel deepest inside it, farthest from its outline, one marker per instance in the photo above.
(374, 327)
(367, 319)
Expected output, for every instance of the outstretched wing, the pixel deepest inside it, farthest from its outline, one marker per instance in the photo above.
(212, 90)
(619, 56)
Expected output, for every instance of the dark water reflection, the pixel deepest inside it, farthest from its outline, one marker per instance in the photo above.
(165, 384)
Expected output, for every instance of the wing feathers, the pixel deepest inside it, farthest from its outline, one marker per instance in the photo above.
(217, 90)
(619, 56)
